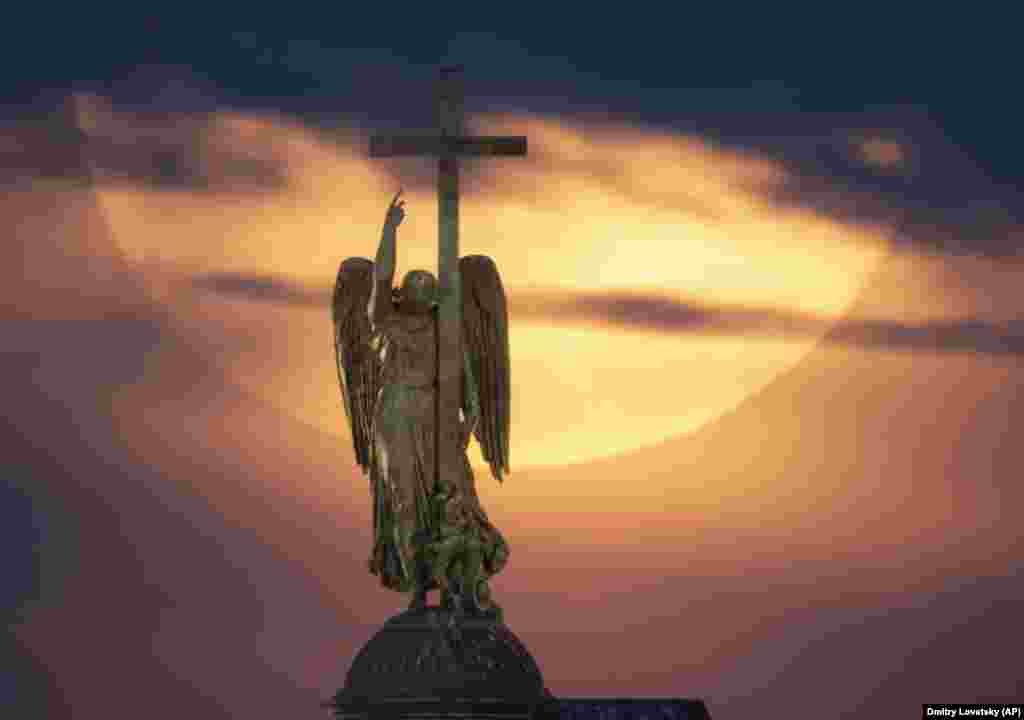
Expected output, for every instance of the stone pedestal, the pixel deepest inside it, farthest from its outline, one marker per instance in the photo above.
(431, 665)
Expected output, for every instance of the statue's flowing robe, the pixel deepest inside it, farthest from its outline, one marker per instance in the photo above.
(404, 460)
(403, 470)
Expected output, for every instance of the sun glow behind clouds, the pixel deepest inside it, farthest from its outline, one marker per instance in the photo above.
(593, 209)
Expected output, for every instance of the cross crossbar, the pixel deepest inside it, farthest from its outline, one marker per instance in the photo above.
(419, 145)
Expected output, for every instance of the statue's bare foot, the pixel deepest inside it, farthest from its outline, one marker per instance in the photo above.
(419, 601)
(452, 601)
(481, 603)
(475, 609)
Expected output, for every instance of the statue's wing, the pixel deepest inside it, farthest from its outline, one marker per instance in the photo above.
(485, 330)
(358, 364)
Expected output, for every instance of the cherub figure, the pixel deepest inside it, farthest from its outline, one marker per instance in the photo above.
(460, 554)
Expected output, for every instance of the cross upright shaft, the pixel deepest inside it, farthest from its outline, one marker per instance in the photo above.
(448, 146)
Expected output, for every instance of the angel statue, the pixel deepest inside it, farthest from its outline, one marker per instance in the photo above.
(429, 532)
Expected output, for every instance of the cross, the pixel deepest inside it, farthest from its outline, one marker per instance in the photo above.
(448, 146)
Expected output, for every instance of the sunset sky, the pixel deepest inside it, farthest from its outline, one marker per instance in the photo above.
(766, 361)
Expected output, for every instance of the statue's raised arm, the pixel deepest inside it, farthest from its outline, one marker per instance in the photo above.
(384, 268)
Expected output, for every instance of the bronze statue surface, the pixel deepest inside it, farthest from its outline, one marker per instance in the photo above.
(430, 530)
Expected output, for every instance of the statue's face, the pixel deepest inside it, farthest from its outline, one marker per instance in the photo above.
(419, 291)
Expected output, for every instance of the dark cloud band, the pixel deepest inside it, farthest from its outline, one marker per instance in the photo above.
(632, 311)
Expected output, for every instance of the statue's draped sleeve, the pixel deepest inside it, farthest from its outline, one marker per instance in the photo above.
(485, 333)
(359, 370)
